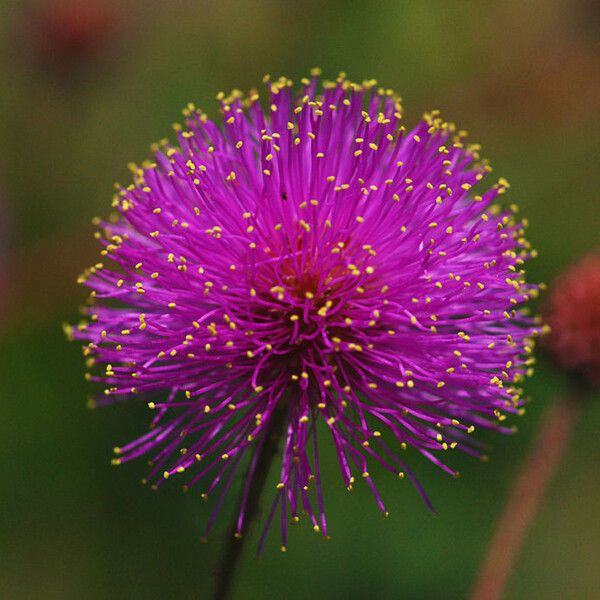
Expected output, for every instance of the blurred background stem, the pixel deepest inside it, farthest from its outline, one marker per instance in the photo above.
(527, 496)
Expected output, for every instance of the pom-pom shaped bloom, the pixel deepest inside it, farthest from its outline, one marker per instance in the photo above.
(309, 264)
(573, 313)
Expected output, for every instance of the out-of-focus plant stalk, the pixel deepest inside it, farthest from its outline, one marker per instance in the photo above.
(572, 316)
(527, 496)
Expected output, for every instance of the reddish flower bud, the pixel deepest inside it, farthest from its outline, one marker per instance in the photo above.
(73, 32)
(573, 313)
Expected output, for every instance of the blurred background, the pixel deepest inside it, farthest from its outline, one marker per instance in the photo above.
(86, 86)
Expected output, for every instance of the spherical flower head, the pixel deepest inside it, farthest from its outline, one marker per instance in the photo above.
(573, 314)
(311, 264)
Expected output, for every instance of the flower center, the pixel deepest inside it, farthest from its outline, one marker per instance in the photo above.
(310, 302)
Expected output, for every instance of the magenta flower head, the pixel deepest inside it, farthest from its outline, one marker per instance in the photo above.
(309, 264)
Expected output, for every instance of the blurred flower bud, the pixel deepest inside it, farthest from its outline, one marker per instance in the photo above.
(71, 33)
(573, 313)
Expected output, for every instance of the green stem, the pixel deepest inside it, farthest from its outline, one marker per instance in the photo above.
(235, 544)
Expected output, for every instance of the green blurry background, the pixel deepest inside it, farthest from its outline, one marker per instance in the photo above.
(85, 88)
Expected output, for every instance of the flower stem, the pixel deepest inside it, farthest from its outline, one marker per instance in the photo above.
(233, 551)
(526, 497)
